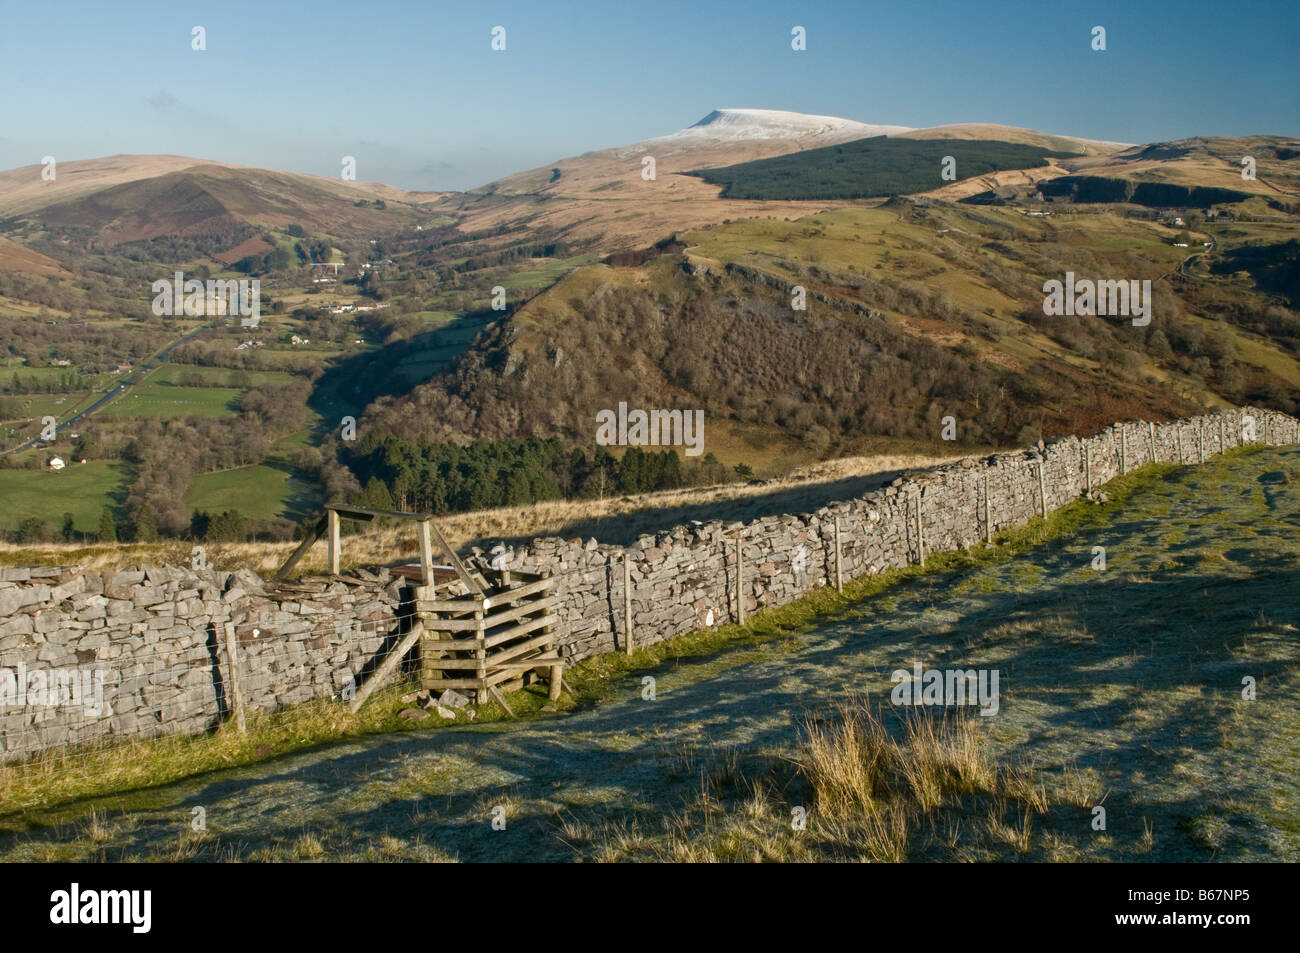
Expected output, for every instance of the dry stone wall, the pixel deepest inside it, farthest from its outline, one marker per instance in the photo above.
(157, 638)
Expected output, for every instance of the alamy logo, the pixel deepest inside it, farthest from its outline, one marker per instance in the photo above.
(655, 428)
(220, 296)
(1109, 298)
(103, 906)
(53, 688)
(948, 687)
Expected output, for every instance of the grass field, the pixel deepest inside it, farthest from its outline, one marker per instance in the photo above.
(82, 489)
(171, 374)
(160, 399)
(260, 492)
(546, 272)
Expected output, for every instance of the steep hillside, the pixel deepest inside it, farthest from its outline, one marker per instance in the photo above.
(913, 313)
(23, 190)
(210, 200)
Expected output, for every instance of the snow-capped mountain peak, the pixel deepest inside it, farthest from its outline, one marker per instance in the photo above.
(750, 124)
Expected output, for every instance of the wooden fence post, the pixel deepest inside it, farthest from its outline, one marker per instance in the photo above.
(1178, 430)
(627, 602)
(422, 529)
(1151, 432)
(236, 688)
(1221, 447)
(333, 542)
(1042, 489)
(1123, 451)
(1087, 470)
(1200, 441)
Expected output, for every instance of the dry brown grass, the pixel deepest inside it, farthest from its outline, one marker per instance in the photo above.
(929, 788)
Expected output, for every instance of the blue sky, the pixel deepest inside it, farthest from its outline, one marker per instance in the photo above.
(415, 93)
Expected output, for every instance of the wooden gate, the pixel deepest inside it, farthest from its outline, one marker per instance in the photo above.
(498, 634)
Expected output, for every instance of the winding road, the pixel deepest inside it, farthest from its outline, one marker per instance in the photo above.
(117, 390)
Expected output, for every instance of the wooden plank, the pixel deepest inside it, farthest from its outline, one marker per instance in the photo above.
(302, 549)
(509, 675)
(510, 651)
(386, 667)
(536, 661)
(413, 573)
(509, 615)
(501, 700)
(1042, 488)
(333, 518)
(236, 687)
(450, 606)
(461, 683)
(455, 562)
(348, 511)
(443, 624)
(467, 664)
(505, 598)
(431, 656)
(451, 645)
(517, 630)
(480, 655)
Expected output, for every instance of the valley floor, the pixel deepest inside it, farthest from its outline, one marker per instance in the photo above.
(1120, 687)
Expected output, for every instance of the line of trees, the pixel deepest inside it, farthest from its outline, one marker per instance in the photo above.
(449, 478)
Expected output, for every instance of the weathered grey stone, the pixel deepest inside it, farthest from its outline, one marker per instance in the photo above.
(452, 699)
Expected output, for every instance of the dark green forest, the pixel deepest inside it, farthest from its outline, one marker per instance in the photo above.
(448, 478)
(869, 168)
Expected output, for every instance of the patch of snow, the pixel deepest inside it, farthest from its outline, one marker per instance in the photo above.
(747, 125)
